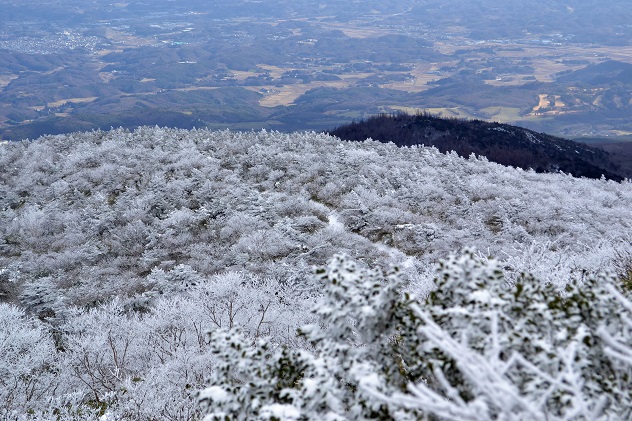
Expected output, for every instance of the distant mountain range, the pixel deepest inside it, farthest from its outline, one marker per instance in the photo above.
(501, 143)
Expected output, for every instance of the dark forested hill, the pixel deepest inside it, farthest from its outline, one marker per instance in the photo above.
(501, 143)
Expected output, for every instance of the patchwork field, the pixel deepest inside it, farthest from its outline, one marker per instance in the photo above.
(384, 57)
(61, 102)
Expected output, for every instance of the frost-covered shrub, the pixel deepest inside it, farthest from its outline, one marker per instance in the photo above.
(27, 363)
(520, 350)
(140, 358)
(263, 382)
(259, 307)
(623, 267)
(479, 347)
(126, 365)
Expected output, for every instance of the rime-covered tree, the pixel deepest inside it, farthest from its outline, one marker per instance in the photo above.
(478, 347)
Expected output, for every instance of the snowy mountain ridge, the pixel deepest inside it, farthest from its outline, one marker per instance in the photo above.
(129, 245)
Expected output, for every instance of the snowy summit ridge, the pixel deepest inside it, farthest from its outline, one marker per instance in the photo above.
(120, 249)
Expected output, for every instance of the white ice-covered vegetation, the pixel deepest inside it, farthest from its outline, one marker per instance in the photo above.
(171, 275)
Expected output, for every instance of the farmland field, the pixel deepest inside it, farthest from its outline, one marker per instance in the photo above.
(314, 65)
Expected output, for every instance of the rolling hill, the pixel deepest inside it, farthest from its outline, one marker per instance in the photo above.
(609, 73)
(501, 143)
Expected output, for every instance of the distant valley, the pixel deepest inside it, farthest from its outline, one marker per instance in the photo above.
(67, 65)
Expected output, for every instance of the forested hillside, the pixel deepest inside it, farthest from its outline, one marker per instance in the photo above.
(501, 143)
(119, 250)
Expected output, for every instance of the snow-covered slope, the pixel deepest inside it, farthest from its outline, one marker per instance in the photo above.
(168, 220)
(104, 213)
